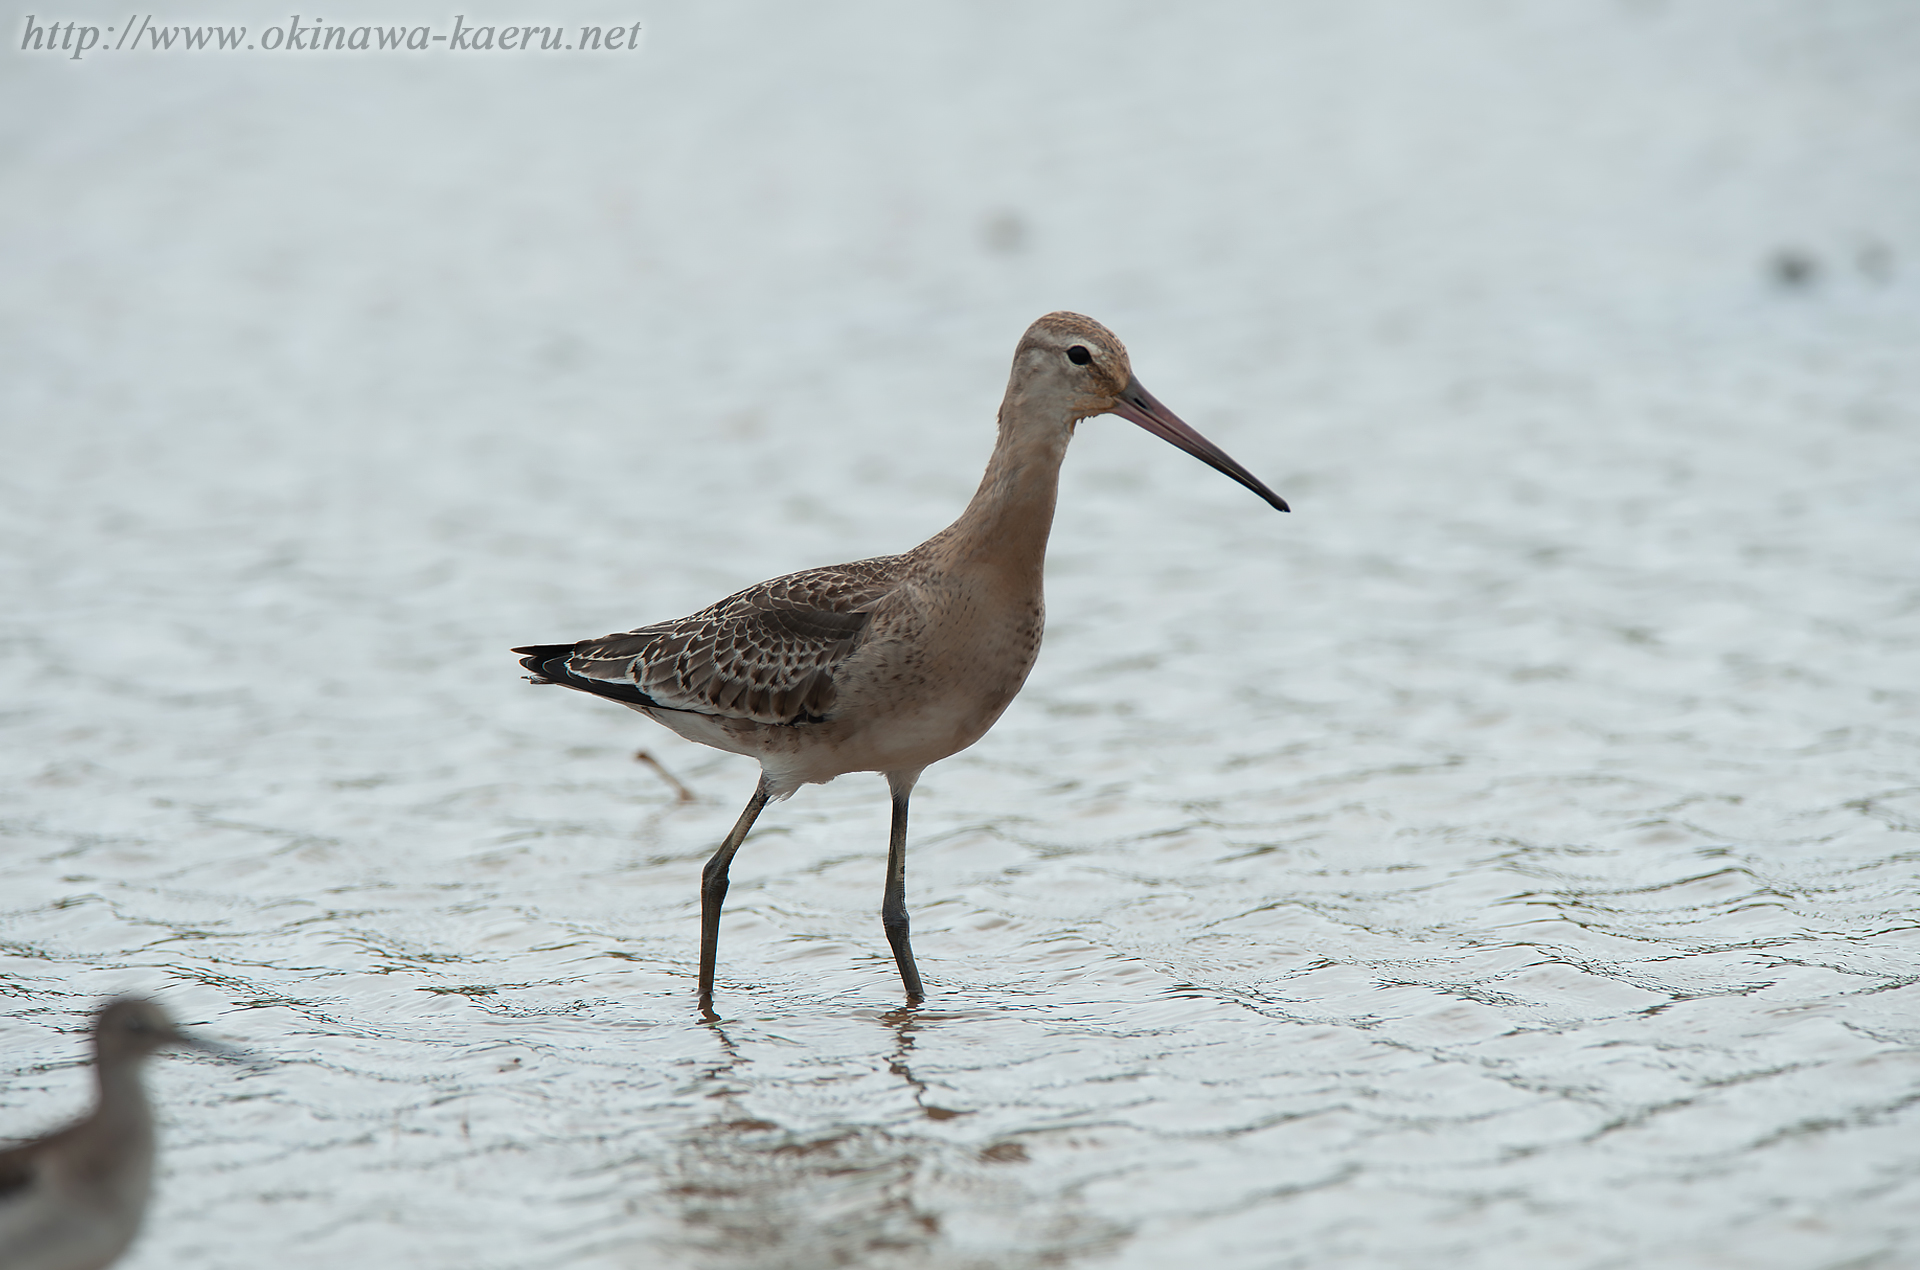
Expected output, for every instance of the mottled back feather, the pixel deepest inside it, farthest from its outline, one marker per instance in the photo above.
(766, 654)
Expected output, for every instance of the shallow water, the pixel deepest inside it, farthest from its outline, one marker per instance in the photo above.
(1507, 859)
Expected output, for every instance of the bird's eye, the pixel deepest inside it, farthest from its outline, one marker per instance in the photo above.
(1079, 355)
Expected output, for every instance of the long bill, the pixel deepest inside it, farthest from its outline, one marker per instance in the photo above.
(225, 1053)
(1139, 406)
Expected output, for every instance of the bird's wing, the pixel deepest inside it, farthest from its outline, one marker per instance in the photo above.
(766, 654)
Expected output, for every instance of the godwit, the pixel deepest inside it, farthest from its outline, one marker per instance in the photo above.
(883, 665)
(73, 1200)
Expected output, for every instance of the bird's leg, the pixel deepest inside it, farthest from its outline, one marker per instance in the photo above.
(713, 891)
(893, 906)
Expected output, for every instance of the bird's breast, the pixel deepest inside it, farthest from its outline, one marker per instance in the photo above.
(962, 644)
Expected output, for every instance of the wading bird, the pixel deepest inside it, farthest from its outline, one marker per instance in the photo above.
(890, 664)
(73, 1200)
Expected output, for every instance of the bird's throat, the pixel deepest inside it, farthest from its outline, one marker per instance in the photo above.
(1007, 523)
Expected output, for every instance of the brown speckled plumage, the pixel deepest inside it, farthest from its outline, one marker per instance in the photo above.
(766, 655)
(890, 664)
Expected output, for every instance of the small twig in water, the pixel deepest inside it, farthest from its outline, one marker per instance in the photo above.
(681, 792)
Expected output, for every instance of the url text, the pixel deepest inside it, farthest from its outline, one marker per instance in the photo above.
(141, 35)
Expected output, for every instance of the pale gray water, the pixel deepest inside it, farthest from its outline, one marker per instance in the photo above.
(1507, 860)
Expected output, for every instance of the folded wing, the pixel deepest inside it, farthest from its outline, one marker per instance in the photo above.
(767, 654)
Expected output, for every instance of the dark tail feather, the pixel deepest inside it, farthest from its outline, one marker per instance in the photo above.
(548, 662)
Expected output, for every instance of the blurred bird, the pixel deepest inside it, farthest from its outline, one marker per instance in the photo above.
(73, 1200)
(890, 664)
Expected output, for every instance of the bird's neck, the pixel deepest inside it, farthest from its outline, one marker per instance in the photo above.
(122, 1124)
(1006, 525)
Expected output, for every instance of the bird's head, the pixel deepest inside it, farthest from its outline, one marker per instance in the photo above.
(1068, 367)
(132, 1028)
